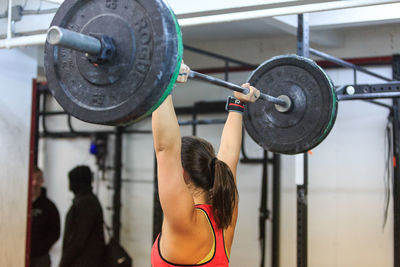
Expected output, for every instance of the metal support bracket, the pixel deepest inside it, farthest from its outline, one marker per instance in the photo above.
(369, 91)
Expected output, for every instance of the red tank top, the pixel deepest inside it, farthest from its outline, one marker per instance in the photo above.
(219, 259)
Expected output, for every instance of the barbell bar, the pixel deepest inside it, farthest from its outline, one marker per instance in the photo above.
(146, 49)
(282, 101)
(93, 46)
(74, 40)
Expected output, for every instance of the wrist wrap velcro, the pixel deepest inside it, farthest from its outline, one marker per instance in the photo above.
(234, 104)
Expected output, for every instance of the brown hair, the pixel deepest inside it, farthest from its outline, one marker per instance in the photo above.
(212, 175)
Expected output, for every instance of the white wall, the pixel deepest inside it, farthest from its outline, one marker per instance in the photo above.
(17, 69)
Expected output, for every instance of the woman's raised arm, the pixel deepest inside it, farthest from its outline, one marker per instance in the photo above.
(176, 200)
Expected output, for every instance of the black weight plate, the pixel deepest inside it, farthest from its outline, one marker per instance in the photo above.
(314, 105)
(148, 55)
(178, 34)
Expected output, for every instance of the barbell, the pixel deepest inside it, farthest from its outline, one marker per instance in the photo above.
(114, 62)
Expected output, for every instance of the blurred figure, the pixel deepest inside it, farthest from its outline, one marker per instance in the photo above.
(83, 243)
(45, 229)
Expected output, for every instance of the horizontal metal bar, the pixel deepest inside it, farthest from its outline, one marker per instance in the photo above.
(251, 160)
(368, 88)
(23, 41)
(52, 113)
(369, 91)
(137, 132)
(234, 87)
(89, 134)
(343, 63)
(55, 1)
(380, 104)
(39, 12)
(202, 122)
(369, 96)
(86, 134)
(74, 40)
(137, 181)
(65, 134)
(203, 77)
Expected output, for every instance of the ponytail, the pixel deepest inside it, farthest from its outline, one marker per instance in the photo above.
(223, 193)
(211, 175)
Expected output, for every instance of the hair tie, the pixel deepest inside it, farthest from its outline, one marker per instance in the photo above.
(212, 169)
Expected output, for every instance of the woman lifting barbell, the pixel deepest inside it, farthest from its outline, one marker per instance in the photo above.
(197, 189)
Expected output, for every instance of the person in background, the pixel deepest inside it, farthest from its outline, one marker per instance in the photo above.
(83, 242)
(45, 228)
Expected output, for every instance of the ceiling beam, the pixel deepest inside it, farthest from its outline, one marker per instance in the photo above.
(200, 8)
(363, 16)
(290, 10)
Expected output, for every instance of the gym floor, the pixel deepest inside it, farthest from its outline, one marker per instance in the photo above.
(349, 174)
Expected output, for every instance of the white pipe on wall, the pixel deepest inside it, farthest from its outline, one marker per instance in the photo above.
(23, 41)
(9, 34)
(55, 1)
(290, 10)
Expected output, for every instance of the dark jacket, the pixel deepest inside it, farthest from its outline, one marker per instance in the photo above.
(45, 228)
(83, 243)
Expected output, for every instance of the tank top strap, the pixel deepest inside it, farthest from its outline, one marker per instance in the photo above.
(221, 252)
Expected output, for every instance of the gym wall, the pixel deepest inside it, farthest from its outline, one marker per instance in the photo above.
(15, 121)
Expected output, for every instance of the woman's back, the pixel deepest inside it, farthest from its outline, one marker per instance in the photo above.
(205, 246)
